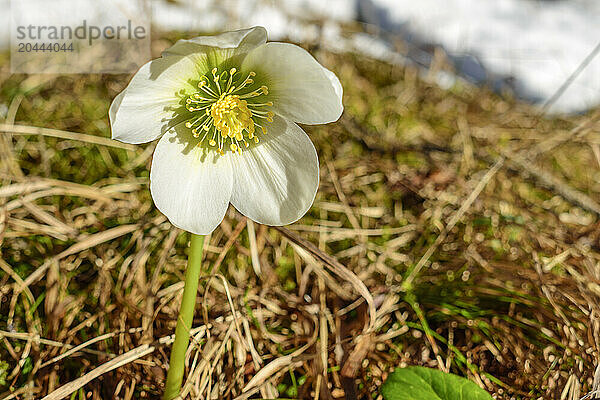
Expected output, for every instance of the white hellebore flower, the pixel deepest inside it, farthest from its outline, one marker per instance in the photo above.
(225, 109)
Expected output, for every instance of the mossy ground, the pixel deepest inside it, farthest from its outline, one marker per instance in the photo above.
(438, 201)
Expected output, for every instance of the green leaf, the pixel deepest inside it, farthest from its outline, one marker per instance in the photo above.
(420, 383)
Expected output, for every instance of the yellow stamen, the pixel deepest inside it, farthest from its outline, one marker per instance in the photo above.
(227, 109)
(231, 116)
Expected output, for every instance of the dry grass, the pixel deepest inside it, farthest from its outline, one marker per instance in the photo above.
(452, 228)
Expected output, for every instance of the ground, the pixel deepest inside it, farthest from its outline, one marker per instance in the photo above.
(453, 228)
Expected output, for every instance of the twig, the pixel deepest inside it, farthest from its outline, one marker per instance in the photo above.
(91, 241)
(57, 133)
(455, 218)
(337, 268)
(570, 79)
(553, 183)
(232, 238)
(253, 247)
(117, 362)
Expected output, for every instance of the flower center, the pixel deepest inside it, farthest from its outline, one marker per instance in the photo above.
(231, 117)
(226, 110)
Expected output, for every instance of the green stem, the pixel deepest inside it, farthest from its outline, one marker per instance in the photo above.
(184, 320)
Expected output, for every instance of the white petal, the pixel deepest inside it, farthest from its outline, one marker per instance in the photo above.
(337, 85)
(189, 185)
(301, 89)
(114, 106)
(240, 41)
(144, 110)
(276, 181)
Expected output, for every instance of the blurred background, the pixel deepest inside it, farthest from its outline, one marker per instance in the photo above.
(461, 187)
(530, 47)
